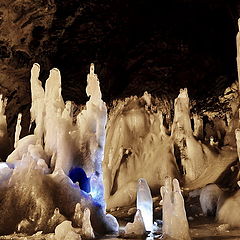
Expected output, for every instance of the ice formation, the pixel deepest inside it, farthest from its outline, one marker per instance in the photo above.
(87, 229)
(36, 172)
(141, 135)
(18, 129)
(175, 224)
(136, 140)
(137, 228)
(145, 203)
(65, 231)
(209, 198)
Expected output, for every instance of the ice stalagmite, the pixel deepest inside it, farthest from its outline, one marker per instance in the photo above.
(38, 107)
(18, 129)
(175, 224)
(86, 226)
(137, 228)
(53, 107)
(145, 203)
(91, 124)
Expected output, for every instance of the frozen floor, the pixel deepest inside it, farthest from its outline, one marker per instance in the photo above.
(201, 228)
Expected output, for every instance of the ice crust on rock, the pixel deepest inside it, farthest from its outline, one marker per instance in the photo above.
(137, 228)
(175, 224)
(145, 203)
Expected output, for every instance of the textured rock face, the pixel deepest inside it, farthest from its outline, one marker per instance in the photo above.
(156, 47)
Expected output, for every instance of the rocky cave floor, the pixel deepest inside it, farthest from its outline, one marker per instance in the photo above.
(201, 227)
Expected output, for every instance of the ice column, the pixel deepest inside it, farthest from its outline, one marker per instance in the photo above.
(144, 203)
(175, 224)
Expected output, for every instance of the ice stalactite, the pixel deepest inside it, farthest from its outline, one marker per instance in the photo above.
(136, 140)
(145, 203)
(175, 224)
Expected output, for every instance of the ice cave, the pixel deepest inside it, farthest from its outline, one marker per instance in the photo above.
(119, 119)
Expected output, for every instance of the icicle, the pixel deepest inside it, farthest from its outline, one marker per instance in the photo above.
(18, 130)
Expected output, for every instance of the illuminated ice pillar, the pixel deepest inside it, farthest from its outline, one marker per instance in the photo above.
(91, 123)
(38, 106)
(175, 224)
(145, 203)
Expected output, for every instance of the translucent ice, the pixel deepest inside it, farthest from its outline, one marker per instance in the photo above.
(137, 228)
(175, 224)
(145, 203)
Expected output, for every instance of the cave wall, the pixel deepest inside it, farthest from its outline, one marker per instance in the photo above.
(137, 45)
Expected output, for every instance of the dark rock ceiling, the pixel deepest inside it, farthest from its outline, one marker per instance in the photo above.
(136, 45)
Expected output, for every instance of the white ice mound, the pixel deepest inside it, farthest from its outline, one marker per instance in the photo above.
(145, 203)
(137, 228)
(209, 197)
(175, 224)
